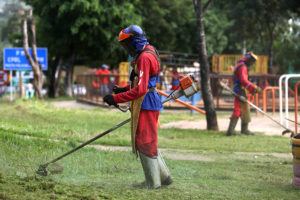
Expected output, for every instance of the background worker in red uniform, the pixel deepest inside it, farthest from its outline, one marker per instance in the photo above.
(103, 79)
(145, 104)
(175, 80)
(241, 86)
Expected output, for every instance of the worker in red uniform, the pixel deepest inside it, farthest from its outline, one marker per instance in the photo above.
(175, 80)
(103, 79)
(145, 104)
(241, 86)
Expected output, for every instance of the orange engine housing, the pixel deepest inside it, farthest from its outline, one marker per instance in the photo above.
(186, 82)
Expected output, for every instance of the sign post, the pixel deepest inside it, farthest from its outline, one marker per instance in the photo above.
(15, 59)
(10, 89)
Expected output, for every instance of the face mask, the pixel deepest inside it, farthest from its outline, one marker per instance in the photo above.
(250, 62)
(127, 44)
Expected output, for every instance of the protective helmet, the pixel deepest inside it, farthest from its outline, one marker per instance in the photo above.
(133, 39)
(250, 58)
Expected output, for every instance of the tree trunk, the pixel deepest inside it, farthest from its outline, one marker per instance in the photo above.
(244, 50)
(271, 28)
(270, 52)
(35, 64)
(58, 77)
(69, 81)
(21, 92)
(69, 76)
(211, 117)
(55, 76)
(51, 77)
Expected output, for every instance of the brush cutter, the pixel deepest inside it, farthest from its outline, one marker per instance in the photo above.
(243, 99)
(188, 87)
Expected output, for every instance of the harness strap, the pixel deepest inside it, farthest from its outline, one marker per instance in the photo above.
(151, 90)
(155, 53)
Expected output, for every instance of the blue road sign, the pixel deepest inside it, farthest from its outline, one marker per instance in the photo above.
(15, 59)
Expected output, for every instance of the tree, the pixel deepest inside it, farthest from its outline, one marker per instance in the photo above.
(85, 30)
(168, 23)
(211, 117)
(258, 25)
(271, 23)
(11, 32)
(35, 64)
(288, 48)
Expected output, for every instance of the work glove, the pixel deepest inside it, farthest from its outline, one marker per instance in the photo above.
(109, 99)
(116, 89)
(258, 90)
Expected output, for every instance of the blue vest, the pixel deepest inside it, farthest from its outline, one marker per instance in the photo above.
(152, 99)
(236, 81)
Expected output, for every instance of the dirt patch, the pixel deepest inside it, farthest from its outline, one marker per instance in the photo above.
(72, 104)
(278, 155)
(179, 154)
(110, 148)
(176, 156)
(258, 124)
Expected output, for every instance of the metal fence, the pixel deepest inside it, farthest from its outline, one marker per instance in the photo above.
(88, 87)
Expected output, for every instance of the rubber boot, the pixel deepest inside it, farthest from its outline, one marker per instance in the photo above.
(151, 171)
(232, 125)
(165, 175)
(245, 130)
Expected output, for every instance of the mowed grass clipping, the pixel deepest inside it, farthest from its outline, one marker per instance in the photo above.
(216, 167)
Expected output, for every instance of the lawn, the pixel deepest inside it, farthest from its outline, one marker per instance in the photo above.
(204, 164)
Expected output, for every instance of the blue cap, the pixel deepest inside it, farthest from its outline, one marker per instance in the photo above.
(104, 66)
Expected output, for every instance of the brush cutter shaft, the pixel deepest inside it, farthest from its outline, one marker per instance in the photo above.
(91, 140)
(260, 110)
(292, 121)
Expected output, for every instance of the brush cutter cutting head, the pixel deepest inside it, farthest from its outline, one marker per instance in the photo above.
(288, 131)
(42, 170)
(54, 168)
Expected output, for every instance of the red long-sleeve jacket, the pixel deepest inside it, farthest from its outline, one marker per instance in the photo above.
(147, 66)
(241, 78)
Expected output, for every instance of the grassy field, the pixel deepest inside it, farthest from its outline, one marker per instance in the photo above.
(204, 164)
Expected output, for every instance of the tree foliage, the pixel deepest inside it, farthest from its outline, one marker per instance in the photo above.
(288, 47)
(87, 28)
(11, 32)
(260, 24)
(167, 23)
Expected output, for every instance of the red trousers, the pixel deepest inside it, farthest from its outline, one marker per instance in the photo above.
(146, 134)
(237, 108)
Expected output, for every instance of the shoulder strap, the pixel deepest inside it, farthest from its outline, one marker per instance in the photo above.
(155, 53)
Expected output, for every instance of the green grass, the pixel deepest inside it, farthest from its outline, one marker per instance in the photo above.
(228, 172)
